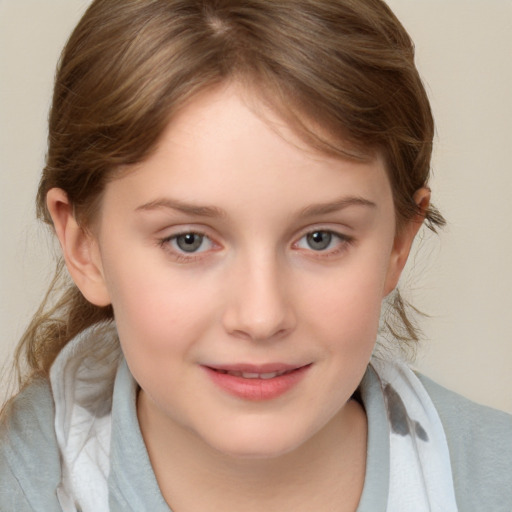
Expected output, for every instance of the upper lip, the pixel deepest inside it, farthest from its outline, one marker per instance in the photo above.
(255, 368)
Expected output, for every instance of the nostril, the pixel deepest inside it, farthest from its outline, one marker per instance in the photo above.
(237, 333)
(260, 335)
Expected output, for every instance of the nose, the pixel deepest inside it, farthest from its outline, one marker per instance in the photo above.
(258, 307)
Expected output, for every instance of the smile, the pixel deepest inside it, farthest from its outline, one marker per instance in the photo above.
(257, 383)
(249, 375)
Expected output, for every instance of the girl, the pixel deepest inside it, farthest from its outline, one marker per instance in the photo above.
(236, 187)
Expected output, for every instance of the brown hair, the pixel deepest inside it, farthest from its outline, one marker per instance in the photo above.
(339, 67)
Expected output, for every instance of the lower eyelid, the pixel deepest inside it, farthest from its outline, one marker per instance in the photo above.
(342, 239)
(334, 252)
(169, 245)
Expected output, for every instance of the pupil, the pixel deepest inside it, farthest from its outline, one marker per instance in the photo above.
(319, 240)
(189, 242)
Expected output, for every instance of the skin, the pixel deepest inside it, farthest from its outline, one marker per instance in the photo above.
(255, 291)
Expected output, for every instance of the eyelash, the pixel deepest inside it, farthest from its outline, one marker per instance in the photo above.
(344, 241)
(182, 256)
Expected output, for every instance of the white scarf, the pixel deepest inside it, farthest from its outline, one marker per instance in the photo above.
(82, 380)
(420, 469)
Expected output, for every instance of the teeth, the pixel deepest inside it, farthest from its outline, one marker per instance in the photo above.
(250, 375)
(269, 375)
(265, 376)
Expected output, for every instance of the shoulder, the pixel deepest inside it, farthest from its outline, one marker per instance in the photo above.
(480, 443)
(29, 459)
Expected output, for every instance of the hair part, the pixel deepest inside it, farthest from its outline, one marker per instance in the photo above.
(341, 74)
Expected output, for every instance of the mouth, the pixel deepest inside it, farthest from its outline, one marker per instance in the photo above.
(257, 383)
(255, 375)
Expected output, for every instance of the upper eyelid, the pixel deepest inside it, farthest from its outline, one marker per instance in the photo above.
(312, 229)
(203, 231)
(341, 236)
(167, 244)
(172, 231)
(174, 236)
(206, 232)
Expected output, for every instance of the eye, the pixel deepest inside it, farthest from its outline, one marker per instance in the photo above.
(190, 242)
(321, 240)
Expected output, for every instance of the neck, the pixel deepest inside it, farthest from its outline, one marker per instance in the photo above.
(325, 473)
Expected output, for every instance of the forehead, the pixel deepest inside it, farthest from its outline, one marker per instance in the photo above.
(228, 146)
(283, 115)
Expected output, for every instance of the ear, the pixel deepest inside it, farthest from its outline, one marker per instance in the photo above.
(404, 239)
(79, 247)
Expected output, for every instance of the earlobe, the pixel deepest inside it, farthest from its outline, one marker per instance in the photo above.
(404, 239)
(79, 248)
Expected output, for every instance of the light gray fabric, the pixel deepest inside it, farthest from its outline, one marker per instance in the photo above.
(132, 483)
(376, 483)
(480, 444)
(29, 459)
(479, 438)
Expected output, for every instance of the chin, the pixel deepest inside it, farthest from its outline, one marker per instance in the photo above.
(259, 442)
(257, 451)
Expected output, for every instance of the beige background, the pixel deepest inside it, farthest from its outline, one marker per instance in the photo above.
(463, 279)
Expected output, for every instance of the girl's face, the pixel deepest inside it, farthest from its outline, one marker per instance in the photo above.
(246, 273)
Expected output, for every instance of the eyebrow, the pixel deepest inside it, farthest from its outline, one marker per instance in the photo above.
(213, 211)
(189, 209)
(334, 206)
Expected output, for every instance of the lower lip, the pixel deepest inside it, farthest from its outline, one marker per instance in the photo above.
(257, 389)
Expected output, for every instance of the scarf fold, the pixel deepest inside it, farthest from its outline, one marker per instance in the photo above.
(82, 380)
(420, 468)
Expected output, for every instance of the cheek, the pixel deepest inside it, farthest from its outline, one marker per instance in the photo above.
(346, 305)
(353, 315)
(157, 311)
(350, 288)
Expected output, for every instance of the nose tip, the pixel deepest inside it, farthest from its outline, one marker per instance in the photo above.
(257, 320)
(258, 308)
(261, 332)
